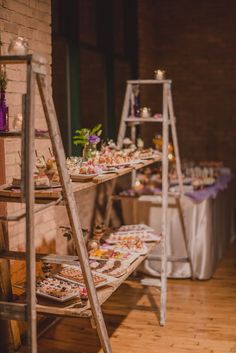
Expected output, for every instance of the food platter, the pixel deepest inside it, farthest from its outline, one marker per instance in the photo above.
(107, 254)
(134, 246)
(54, 288)
(143, 235)
(74, 275)
(114, 268)
(135, 227)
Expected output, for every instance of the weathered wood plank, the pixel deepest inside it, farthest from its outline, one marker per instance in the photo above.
(77, 234)
(9, 311)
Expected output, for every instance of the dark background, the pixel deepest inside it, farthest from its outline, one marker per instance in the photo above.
(98, 45)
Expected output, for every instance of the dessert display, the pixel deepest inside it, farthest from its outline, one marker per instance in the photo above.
(148, 153)
(45, 173)
(132, 243)
(41, 180)
(110, 267)
(74, 274)
(145, 236)
(57, 289)
(135, 227)
(110, 253)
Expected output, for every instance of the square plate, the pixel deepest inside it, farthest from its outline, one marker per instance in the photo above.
(104, 280)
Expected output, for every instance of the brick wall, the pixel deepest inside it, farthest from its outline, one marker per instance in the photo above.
(195, 43)
(32, 20)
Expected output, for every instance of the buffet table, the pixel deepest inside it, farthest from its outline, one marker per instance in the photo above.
(209, 225)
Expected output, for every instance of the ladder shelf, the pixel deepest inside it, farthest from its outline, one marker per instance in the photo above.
(9, 309)
(168, 120)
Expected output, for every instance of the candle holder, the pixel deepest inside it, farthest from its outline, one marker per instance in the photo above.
(160, 74)
(18, 46)
(145, 112)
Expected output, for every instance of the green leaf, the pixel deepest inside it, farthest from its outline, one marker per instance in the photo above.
(78, 142)
(96, 129)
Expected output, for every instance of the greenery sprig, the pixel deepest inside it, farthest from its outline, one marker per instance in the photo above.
(85, 135)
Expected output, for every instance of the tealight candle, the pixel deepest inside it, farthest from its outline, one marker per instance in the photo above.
(145, 112)
(159, 74)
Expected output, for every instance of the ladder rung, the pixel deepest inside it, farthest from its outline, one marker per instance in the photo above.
(21, 215)
(60, 259)
(143, 120)
(13, 311)
(51, 258)
(169, 258)
(148, 82)
(68, 312)
(151, 282)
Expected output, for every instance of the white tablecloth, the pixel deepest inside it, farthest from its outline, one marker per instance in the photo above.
(209, 227)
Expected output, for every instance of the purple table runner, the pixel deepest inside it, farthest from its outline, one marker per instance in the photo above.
(210, 191)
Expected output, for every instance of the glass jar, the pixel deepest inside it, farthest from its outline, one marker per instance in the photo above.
(89, 151)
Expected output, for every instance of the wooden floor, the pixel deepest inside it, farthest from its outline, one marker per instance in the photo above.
(201, 318)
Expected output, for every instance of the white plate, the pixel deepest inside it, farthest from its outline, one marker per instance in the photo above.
(125, 164)
(147, 157)
(74, 294)
(131, 258)
(150, 237)
(109, 266)
(135, 227)
(82, 177)
(68, 297)
(136, 161)
(142, 251)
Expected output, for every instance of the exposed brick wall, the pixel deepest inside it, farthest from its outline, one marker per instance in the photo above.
(195, 43)
(32, 20)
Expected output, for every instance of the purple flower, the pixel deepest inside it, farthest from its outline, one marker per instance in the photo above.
(94, 139)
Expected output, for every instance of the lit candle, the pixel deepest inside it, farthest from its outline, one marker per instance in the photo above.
(145, 112)
(159, 74)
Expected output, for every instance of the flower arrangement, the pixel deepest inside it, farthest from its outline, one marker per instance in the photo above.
(88, 136)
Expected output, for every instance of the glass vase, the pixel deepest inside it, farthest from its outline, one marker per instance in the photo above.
(3, 112)
(89, 151)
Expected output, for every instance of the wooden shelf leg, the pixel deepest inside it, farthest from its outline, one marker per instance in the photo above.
(9, 330)
(72, 210)
(165, 134)
(109, 204)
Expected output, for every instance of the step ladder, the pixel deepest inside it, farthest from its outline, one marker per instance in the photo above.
(167, 120)
(36, 74)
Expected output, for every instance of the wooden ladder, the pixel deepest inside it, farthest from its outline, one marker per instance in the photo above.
(36, 74)
(168, 119)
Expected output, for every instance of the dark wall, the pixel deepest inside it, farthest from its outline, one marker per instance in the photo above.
(94, 53)
(195, 42)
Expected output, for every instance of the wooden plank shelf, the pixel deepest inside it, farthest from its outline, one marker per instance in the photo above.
(9, 310)
(49, 258)
(74, 308)
(17, 134)
(148, 82)
(9, 194)
(143, 120)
